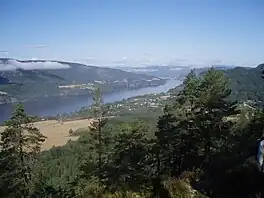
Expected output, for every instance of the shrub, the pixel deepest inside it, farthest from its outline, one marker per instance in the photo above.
(78, 132)
(70, 131)
(180, 189)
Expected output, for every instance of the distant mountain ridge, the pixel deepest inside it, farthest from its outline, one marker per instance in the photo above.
(94, 72)
(171, 71)
(32, 79)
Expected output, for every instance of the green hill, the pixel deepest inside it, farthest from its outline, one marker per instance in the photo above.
(33, 79)
(246, 83)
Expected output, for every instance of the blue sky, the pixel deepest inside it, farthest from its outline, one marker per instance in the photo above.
(134, 32)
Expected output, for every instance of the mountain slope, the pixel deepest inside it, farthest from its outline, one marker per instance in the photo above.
(32, 79)
(246, 83)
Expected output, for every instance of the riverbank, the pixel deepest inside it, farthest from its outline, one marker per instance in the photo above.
(6, 99)
(54, 106)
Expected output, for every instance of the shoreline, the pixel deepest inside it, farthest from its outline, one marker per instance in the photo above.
(88, 94)
(54, 106)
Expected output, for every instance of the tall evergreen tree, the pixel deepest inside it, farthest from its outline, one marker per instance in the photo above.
(212, 113)
(166, 137)
(197, 126)
(20, 147)
(99, 139)
(130, 164)
(208, 111)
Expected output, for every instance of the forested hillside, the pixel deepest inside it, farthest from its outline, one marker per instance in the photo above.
(246, 83)
(29, 80)
(203, 145)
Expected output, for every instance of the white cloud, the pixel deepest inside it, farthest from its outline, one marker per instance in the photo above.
(14, 64)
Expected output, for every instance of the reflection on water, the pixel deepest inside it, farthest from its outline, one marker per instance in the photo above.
(53, 106)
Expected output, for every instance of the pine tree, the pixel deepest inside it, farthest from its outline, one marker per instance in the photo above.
(98, 139)
(130, 163)
(190, 91)
(20, 146)
(212, 113)
(207, 112)
(196, 127)
(165, 146)
(178, 149)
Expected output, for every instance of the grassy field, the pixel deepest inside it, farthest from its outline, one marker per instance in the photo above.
(58, 133)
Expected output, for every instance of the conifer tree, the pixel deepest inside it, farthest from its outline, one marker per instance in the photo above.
(212, 112)
(196, 126)
(99, 139)
(20, 146)
(130, 164)
(166, 137)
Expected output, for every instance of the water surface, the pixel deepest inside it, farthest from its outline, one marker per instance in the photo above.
(54, 105)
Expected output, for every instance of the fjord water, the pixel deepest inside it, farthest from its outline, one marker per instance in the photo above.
(54, 105)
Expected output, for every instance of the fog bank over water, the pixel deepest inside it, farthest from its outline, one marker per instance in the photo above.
(10, 65)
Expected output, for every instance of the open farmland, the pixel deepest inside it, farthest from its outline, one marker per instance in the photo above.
(58, 133)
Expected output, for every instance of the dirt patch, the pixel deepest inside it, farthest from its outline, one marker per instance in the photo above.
(58, 133)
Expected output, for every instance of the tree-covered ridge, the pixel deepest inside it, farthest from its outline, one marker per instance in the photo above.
(197, 150)
(35, 79)
(246, 83)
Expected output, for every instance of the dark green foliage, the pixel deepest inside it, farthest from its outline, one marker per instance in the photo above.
(196, 133)
(20, 147)
(201, 140)
(45, 191)
(235, 169)
(166, 142)
(128, 159)
(194, 129)
(246, 83)
(98, 139)
(62, 163)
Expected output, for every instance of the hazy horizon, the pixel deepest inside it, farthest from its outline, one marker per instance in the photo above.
(134, 32)
(14, 64)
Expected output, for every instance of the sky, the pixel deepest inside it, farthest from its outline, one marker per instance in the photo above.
(134, 32)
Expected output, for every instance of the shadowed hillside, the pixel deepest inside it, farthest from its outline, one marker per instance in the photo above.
(33, 79)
